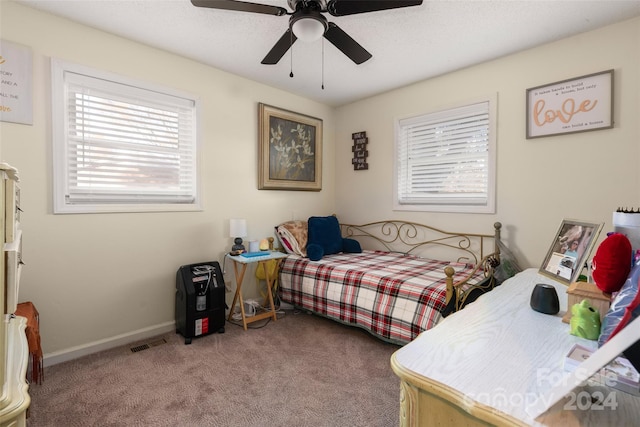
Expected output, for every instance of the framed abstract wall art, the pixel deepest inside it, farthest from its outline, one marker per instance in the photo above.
(289, 150)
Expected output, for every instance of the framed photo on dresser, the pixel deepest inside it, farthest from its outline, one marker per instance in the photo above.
(570, 249)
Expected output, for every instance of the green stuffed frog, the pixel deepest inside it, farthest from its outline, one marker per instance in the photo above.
(585, 321)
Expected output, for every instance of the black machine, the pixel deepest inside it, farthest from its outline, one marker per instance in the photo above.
(200, 300)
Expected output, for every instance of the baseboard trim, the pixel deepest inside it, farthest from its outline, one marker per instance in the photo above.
(107, 343)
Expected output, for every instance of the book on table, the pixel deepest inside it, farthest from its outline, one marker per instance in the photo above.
(619, 373)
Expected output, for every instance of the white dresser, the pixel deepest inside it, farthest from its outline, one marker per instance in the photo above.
(14, 352)
(489, 363)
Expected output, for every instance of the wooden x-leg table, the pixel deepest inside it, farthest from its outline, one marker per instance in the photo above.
(240, 263)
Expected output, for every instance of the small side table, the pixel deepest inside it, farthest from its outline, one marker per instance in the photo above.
(240, 267)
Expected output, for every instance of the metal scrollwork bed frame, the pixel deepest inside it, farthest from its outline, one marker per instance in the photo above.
(430, 242)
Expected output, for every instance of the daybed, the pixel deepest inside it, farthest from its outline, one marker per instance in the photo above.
(406, 276)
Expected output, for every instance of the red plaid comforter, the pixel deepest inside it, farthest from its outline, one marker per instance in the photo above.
(392, 295)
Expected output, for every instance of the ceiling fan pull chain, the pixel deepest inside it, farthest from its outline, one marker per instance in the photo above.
(323, 63)
(291, 49)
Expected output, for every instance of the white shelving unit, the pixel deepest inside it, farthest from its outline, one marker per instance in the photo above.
(14, 351)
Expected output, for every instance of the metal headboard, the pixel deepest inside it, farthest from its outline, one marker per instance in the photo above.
(414, 238)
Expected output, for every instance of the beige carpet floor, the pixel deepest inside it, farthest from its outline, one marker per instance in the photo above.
(301, 370)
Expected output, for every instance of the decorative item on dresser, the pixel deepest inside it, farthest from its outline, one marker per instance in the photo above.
(544, 299)
(569, 250)
(13, 341)
(394, 279)
(579, 291)
(495, 361)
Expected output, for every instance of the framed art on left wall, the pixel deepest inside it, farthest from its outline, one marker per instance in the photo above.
(16, 85)
(289, 150)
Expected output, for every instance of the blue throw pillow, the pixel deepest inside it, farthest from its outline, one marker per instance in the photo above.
(325, 238)
(314, 252)
(351, 246)
(325, 232)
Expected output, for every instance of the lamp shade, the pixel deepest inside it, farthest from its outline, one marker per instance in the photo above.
(237, 227)
(308, 29)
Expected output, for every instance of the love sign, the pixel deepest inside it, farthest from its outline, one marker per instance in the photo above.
(576, 105)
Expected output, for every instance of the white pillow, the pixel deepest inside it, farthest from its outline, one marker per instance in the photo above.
(293, 237)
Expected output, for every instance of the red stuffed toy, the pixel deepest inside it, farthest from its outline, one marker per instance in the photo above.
(612, 263)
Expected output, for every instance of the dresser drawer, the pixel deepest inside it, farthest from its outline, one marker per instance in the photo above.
(12, 210)
(13, 259)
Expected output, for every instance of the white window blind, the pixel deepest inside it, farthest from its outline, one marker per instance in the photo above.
(444, 160)
(125, 145)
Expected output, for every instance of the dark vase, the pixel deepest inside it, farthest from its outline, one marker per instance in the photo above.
(544, 299)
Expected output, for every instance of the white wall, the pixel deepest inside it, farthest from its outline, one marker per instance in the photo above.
(99, 276)
(96, 278)
(539, 181)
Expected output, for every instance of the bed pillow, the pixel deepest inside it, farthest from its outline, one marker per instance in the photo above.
(625, 307)
(351, 246)
(325, 238)
(324, 231)
(293, 236)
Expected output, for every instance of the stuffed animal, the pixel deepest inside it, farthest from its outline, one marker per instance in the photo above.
(585, 321)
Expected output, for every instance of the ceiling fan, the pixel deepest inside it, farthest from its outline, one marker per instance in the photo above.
(308, 23)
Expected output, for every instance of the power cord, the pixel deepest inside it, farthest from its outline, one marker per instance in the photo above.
(256, 325)
(254, 307)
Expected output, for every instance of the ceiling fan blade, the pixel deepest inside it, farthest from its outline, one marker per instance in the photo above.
(346, 44)
(280, 48)
(241, 6)
(351, 7)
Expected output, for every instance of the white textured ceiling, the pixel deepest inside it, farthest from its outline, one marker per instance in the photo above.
(408, 45)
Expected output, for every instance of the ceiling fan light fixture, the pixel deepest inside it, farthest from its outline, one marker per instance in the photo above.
(309, 28)
(308, 23)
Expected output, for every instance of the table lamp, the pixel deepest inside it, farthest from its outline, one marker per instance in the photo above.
(237, 230)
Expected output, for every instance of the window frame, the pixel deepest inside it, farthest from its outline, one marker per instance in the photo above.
(456, 205)
(60, 164)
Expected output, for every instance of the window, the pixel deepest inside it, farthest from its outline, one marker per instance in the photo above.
(121, 146)
(445, 161)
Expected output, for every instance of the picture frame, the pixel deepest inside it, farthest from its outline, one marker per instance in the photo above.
(289, 150)
(16, 97)
(570, 249)
(574, 105)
